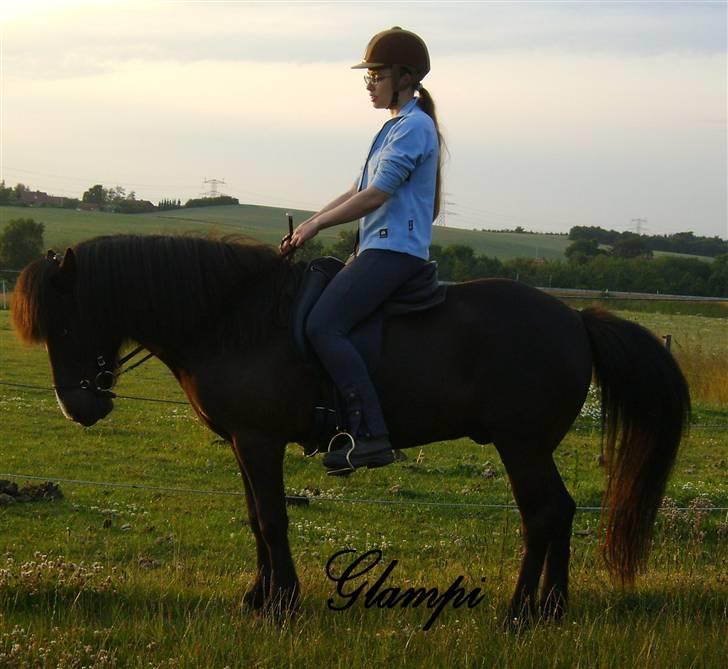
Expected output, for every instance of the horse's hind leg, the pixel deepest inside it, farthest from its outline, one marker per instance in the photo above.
(539, 493)
(555, 587)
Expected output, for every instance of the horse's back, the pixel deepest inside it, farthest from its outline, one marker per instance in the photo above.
(496, 351)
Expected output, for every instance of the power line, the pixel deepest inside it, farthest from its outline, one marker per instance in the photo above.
(96, 179)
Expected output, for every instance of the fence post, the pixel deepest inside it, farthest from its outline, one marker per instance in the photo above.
(668, 341)
(5, 299)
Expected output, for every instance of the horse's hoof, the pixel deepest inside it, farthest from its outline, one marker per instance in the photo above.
(519, 618)
(281, 606)
(254, 599)
(553, 608)
(516, 624)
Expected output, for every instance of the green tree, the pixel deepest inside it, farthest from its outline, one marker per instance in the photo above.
(21, 241)
(311, 250)
(97, 194)
(212, 201)
(631, 247)
(18, 191)
(582, 250)
(344, 245)
(718, 281)
(593, 232)
(116, 195)
(456, 262)
(130, 206)
(6, 193)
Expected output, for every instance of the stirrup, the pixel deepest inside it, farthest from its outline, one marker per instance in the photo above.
(351, 440)
(351, 468)
(345, 460)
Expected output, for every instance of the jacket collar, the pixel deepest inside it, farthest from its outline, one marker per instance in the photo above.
(408, 108)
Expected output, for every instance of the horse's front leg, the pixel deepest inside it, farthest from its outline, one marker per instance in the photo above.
(261, 458)
(255, 597)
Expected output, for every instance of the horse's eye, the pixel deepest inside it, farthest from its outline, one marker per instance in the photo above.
(64, 332)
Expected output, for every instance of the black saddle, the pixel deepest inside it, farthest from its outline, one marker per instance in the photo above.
(423, 291)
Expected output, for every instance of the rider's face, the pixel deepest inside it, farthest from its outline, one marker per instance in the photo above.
(379, 85)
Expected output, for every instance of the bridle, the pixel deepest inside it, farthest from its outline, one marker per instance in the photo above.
(106, 379)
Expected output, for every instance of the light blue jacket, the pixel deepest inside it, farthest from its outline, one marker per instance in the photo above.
(402, 161)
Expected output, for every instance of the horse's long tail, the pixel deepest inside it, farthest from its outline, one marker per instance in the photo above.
(645, 411)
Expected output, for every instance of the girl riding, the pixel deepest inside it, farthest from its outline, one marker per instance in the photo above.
(396, 198)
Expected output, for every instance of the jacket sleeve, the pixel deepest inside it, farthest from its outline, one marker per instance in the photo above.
(405, 148)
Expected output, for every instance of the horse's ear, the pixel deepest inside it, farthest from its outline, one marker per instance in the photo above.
(68, 264)
(66, 275)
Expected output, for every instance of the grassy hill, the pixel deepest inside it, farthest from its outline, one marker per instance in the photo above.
(66, 227)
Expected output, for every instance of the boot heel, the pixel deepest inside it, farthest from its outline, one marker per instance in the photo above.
(381, 460)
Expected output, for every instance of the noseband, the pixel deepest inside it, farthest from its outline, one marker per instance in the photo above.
(106, 379)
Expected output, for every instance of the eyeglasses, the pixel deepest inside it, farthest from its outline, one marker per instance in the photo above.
(374, 79)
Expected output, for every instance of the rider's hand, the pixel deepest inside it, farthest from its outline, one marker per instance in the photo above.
(301, 235)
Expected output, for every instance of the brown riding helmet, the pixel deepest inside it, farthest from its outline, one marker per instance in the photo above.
(396, 47)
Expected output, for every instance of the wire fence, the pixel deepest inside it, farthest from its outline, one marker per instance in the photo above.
(302, 499)
(591, 425)
(297, 500)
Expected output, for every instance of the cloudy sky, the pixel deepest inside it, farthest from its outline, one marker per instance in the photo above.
(555, 113)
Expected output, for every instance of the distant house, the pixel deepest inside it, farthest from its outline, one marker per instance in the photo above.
(33, 197)
(88, 206)
(37, 198)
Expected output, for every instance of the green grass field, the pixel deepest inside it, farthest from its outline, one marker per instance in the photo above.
(67, 227)
(147, 578)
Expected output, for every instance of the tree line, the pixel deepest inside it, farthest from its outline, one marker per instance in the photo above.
(608, 272)
(21, 241)
(680, 242)
(114, 199)
(117, 200)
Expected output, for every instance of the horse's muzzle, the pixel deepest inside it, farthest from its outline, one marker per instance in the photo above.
(83, 407)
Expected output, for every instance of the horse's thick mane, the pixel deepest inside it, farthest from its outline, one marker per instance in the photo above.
(175, 287)
(31, 300)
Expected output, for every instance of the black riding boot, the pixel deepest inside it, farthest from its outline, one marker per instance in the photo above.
(357, 448)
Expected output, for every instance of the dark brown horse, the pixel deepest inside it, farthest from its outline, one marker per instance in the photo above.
(498, 362)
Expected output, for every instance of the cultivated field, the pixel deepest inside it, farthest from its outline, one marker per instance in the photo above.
(66, 227)
(151, 578)
(268, 224)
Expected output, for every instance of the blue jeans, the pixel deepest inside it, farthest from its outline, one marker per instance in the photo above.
(353, 294)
